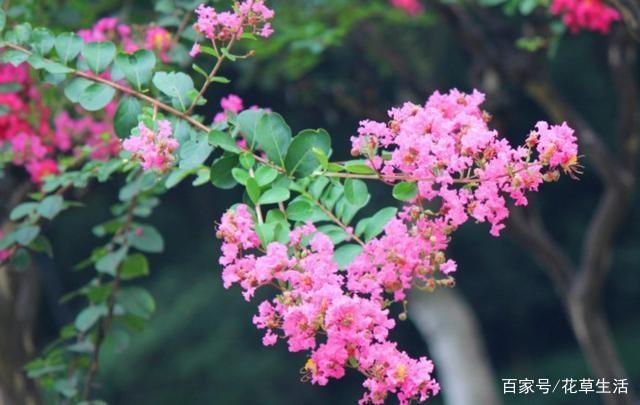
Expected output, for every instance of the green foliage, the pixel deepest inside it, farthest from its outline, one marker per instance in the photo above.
(221, 175)
(273, 135)
(96, 96)
(405, 191)
(126, 116)
(99, 55)
(177, 86)
(300, 159)
(137, 67)
(68, 46)
(247, 122)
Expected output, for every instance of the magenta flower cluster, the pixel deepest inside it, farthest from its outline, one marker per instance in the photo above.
(591, 15)
(314, 311)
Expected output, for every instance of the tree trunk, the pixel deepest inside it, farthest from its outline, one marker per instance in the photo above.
(592, 331)
(18, 307)
(455, 341)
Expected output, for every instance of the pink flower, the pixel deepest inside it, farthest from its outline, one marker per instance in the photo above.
(195, 50)
(410, 6)
(249, 16)
(315, 311)
(41, 169)
(448, 141)
(592, 15)
(154, 149)
(232, 103)
(159, 40)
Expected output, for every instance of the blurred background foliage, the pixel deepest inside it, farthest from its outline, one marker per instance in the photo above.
(330, 64)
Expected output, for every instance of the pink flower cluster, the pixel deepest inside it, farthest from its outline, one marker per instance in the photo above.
(592, 15)
(248, 16)
(411, 252)
(87, 132)
(229, 104)
(24, 126)
(33, 142)
(412, 7)
(315, 311)
(112, 29)
(447, 148)
(154, 149)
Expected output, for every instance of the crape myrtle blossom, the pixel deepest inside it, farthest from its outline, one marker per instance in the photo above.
(458, 162)
(412, 7)
(153, 38)
(34, 139)
(153, 148)
(592, 15)
(315, 311)
(461, 170)
(247, 17)
(229, 104)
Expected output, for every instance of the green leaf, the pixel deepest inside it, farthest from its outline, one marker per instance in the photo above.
(247, 160)
(273, 135)
(138, 67)
(274, 196)
(266, 233)
(76, 88)
(334, 232)
(301, 161)
(20, 259)
(23, 210)
(99, 55)
(42, 41)
(358, 167)
(26, 234)
(175, 177)
(3, 19)
(134, 266)
(42, 245)
(96, 96)
(39, 63)
(265, 175)
(344, 255)
(223, 141)
(194, 153)
(175, 85)
(253, 190)
(240, 175)
(7, 240)
(299, 210)
(356, 192)
(136, 301)
(147, 239)
(248, 122)
(89, 317)
(405, 191)
(22, 33)
(126, 117)
(221, 176)
(109, 263)
(51, 206)
(13, 56)
(68, 46)
(378, 222)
